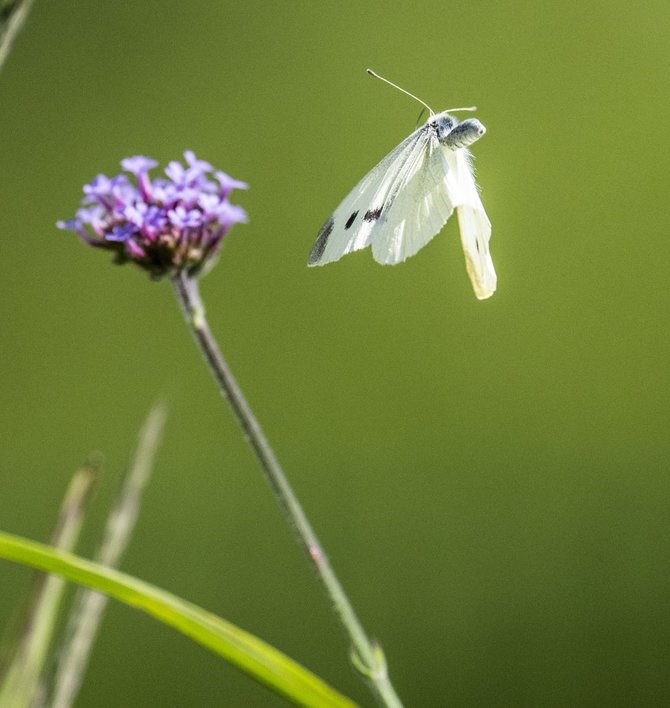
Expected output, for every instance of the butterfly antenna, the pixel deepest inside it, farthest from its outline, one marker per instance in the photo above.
(465, 108)
(416, 98)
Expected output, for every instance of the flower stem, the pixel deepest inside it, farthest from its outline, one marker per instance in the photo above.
(366, 655)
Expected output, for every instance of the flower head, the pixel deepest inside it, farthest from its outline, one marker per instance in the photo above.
(164, 225)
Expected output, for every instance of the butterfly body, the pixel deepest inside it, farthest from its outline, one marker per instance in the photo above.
(408, 197)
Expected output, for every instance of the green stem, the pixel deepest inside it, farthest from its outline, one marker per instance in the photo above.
(367, 655)
(24, 684)
(89, 606)
(12, 18)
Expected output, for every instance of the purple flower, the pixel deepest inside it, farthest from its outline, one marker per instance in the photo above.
(165, 226)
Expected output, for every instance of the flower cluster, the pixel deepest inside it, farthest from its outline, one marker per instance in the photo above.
(165, 226)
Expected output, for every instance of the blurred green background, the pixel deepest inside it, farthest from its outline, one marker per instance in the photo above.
(489, 478)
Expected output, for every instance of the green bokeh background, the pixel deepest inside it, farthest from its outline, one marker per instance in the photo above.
(490, 478)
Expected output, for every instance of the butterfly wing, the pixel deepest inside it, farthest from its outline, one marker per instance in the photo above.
(419, 204)
(353, 224)
(474, 224)
(435, 180)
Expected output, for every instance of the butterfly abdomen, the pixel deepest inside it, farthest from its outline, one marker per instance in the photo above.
(463, 134)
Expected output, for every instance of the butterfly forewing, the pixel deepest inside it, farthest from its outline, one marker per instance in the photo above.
(351, 225)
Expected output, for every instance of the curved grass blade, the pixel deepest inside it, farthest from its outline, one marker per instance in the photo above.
(259, 660)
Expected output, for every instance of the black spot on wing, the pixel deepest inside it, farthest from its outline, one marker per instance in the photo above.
(320, 243)
(372, 214)
(350, 220)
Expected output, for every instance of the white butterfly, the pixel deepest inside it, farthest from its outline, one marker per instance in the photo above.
(408, 197)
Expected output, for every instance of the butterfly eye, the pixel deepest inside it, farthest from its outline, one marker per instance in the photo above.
(443, 126)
